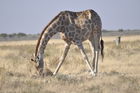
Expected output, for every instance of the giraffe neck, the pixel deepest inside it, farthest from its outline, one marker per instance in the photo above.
(42, 42)
(45, 36)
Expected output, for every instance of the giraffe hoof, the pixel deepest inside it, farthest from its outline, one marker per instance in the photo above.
(95, 71)
(54, 73)
(93, 74)
(47, 73)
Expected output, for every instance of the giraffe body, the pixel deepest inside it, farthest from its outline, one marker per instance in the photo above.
(75, 27)
(80, 26)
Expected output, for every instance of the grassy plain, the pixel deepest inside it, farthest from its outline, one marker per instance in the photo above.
(118, 73)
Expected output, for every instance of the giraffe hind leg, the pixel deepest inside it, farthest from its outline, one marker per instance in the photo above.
(94, 42)
(86, 58)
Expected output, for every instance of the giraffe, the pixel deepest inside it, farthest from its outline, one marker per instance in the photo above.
(75, 27)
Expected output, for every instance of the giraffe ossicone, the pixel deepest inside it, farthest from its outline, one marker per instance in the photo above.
(75, 27)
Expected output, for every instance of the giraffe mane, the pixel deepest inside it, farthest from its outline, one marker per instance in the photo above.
(38, 42)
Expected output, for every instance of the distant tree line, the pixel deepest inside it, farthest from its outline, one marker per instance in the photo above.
(119, 30)
(5, 35)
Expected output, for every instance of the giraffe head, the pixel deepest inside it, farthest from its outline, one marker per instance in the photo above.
(35, 62)
(39, 69)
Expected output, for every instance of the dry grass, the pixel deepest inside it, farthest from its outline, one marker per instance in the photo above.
(119, 73)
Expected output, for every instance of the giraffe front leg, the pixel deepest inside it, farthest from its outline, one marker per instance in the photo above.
(86, 58)
(67, 46)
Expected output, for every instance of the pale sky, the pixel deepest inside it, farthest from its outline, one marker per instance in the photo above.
(31, 16)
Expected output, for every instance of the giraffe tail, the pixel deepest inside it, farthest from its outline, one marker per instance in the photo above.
(102, 49)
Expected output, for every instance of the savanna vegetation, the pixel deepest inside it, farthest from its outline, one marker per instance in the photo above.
(118, 73)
